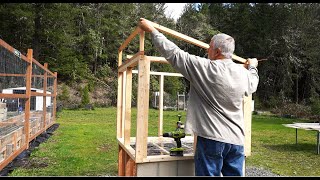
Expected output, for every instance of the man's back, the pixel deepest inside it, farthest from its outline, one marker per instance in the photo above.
(216, 92)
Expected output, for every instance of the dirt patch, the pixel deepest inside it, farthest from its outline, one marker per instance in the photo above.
(22, 160)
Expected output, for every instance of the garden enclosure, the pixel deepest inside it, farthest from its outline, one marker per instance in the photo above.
(27, 101)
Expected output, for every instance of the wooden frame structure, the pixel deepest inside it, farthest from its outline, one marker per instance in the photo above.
(136, 162)
(30, 123)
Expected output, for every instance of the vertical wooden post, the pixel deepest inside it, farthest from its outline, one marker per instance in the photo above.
(123, 110)
(247, 115)
(55, 84)
(121, 161)
(160, 122)
(119, 98)
(129, 166)
(143, 104)
(127, 124)
(44, 106)
(28, 94)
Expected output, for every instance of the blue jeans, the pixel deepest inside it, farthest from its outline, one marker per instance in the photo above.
(213, 157)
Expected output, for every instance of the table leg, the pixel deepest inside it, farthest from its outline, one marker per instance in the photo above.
(318, 142)
(296, 136)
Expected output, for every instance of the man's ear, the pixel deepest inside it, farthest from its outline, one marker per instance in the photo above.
(218, 51)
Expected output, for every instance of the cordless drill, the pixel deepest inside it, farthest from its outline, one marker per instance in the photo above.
(177, 135)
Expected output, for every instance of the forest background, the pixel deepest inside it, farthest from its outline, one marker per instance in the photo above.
(80, 41)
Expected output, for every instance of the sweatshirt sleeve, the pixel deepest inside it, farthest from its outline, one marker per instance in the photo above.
(180, 60)
(253, 79)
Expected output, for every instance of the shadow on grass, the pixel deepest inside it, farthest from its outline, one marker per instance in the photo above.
(300, 147)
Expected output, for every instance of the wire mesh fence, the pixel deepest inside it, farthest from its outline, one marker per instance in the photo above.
(27, 101)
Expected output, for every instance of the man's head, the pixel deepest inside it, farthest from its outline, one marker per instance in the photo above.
(221, 47)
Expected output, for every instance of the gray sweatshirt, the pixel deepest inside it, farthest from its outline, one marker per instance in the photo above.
(217, 88)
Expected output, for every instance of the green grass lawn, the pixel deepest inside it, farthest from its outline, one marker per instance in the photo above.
(85, 145)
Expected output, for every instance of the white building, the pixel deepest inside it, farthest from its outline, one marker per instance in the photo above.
(36, 102)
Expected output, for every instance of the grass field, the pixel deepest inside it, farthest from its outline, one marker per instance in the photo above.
(85, 145)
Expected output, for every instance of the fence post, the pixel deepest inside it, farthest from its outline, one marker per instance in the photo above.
(55, 96)
(28, 94)
(44, 106)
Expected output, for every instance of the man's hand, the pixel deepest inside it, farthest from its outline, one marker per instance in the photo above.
(145, 25)
(252, 62)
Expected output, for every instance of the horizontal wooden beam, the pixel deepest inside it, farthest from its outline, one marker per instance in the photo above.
(23, 75)
(13, 50)
(42, 67)
(39, 94)
(160, 73)
(4, 123)
(179, 35)
(154, 59)
(133, 61)
(189, 39)
(15, 75)
(13, 96)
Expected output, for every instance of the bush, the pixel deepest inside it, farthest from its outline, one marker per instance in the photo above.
(85, 99)
(293, 110)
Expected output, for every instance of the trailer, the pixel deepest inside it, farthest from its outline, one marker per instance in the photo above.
(36, 103)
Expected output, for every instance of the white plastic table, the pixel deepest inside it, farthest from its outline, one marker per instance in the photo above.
(307, 126)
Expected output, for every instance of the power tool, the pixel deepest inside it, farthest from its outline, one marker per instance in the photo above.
(177, 135)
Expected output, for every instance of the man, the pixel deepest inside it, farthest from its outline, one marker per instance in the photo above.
(215, 110)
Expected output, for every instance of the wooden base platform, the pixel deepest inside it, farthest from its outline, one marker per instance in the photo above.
(158, 161)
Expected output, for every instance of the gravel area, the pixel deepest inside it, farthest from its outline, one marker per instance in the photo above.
(254, 171)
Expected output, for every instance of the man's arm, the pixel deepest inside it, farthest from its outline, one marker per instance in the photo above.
(253, 74)
(188, 65)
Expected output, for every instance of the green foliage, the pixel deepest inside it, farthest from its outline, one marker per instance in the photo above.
(91, 85)
(65, 94)
(81, 40)
(85, 99)
(315, 107)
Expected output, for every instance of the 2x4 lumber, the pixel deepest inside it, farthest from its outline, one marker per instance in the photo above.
(154, 59)
(160, 73)
(123, 110)
(44, 104)
(143, 102)
(22, 75)
(11, 49)
(127, 124)
(189, 39)
(36, 134)
(128, 40)
(15, 75)
(167, 158)
(247, 113)
(160, 122)
(119, 98)
(55, 92)
(129, 150)
(42, 67)
(129, 166)
(13, 95)
(143, 108)
(28, 94)
(133, 61)
(7, 123)
(121, 161)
